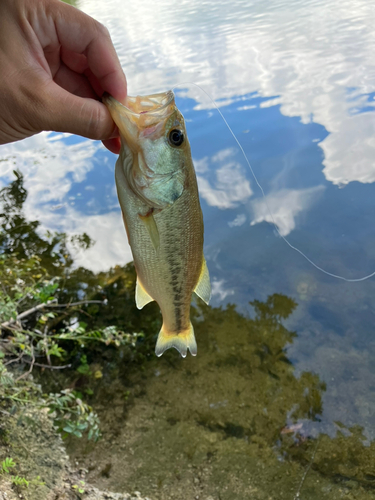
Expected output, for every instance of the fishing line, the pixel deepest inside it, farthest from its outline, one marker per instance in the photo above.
(350, 280)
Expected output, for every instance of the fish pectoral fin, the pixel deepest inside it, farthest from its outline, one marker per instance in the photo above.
(181, 341)
(141, 296)
(203, 288)
(152, 228)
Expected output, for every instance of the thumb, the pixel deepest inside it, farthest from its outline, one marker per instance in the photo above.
(77, 115)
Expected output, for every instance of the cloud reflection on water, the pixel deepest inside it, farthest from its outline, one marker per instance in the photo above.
(224, 186)
(317, 58)
(285, 205)
(51, 165)
(307, 53)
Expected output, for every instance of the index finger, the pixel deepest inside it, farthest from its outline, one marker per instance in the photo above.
(80, 33)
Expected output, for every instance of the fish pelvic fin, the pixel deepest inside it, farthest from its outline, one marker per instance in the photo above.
(181, 341)
(152, 228)
(141, 296)
(203, 288)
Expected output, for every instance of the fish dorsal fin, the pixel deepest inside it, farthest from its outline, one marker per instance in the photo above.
(141, 296)
(203, 288)
(152, 228)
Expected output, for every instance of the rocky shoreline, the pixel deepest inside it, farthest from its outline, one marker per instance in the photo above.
(30, 439)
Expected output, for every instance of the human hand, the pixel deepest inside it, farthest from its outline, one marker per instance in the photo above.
(55, 64)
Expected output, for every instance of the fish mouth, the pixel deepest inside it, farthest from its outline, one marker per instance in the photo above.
(153, 104)
(140, 113)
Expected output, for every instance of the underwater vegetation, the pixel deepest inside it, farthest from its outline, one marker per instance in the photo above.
(236, 422)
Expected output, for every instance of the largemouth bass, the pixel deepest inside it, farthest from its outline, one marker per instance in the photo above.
(158, 194)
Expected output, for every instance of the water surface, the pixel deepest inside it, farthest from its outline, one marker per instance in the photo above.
(296, 82)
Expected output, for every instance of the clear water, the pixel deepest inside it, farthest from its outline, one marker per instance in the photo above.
(296, 82)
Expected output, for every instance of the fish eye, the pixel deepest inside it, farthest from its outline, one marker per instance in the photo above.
(176, 137)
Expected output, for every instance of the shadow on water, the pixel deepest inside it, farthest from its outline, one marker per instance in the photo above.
(234, 422)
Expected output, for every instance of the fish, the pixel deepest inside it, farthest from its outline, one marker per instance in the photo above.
(158, 194)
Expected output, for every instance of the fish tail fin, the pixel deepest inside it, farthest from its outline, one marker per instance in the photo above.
(181, 341)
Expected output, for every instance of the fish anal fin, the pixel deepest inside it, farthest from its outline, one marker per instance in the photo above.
(141, 296)
(181, 341)
(203, 288)
(149, 221)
